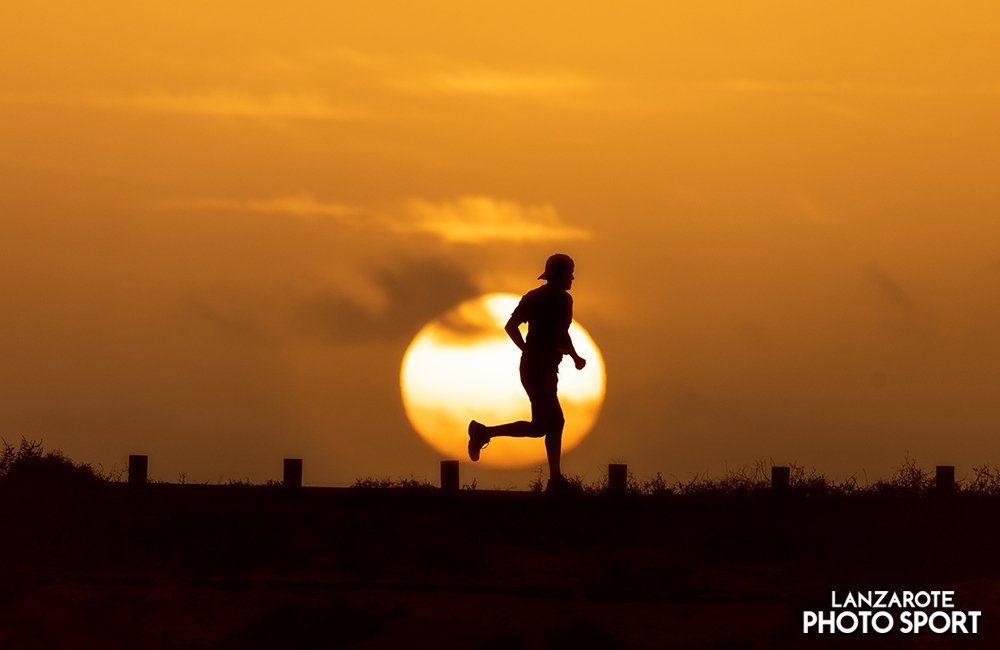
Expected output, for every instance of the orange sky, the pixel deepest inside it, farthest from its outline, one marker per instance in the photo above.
(221, 226)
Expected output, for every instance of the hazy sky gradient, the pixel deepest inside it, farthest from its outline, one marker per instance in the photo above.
(221, 225)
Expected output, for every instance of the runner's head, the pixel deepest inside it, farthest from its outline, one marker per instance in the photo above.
(558, 270)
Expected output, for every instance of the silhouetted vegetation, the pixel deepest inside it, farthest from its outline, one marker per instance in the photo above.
(909, 480)
(984, 481)
(381, 483)
(264, 568)
(29, 464)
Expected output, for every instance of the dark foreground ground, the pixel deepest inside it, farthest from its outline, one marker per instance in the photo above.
(240, 567)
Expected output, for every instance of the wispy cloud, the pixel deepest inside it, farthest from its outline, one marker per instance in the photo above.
(346, 84)
(301, 205)
(478, 219)
(234, 104)
(442, 76)
(467, 219)
(750, 86)
(847, 88)
(495, 83)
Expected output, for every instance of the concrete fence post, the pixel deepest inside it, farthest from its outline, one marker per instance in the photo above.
(617, 478)
(292, 476)
(945, 475)
(780, 478)
(449, 476)
(138, 467)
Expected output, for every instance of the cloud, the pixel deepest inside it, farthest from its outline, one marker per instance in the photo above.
(495, 84)
(467, 219)
(750, 86)
(345, 85)
(442, 76)
(415, 292)
(235, 104)
(478, 219)
(847, 88)
(300, 205)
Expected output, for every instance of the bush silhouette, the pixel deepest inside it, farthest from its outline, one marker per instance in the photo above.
(28, 465)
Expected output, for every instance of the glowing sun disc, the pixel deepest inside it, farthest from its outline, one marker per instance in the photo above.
(462, 366)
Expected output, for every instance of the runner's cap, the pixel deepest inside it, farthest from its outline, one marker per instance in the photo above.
(557, 265)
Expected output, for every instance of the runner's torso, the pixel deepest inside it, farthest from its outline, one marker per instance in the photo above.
(548, 312)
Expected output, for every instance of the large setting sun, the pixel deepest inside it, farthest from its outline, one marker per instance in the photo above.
(462, 366)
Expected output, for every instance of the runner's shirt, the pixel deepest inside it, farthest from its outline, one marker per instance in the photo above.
(548, 311)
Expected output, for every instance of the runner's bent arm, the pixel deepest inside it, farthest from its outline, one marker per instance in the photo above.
(514, 332)
(565, 342)
(566, 347)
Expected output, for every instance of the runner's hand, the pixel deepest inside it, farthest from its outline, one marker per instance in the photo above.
(580, 362)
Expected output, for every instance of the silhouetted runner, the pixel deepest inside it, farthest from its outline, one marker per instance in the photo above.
(548, 311)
